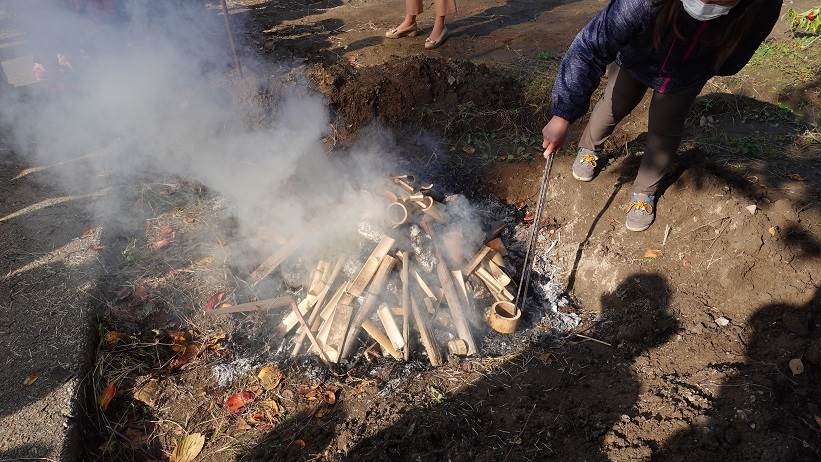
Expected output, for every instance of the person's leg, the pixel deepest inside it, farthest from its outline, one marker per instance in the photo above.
(412, 9)
(443, 8)
(621, 96)
(665, 126)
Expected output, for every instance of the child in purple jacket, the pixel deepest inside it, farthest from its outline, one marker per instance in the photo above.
(671, 46)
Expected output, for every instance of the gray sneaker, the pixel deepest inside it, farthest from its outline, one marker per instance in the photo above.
(641, 211)
(584, 167)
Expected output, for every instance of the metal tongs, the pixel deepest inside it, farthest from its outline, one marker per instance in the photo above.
(521, 293)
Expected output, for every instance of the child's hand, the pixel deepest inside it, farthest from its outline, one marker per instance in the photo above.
(554, 135)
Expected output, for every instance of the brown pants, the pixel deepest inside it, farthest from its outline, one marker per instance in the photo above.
(443, 7)
(665, 125)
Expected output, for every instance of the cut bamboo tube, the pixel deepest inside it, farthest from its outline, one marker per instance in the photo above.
(301, 320)
(503, 317)
(426, 289)
(397, 214)
(271, 263)
(381, 339)
(405, 182)
(457, 311)
(338, 332)
(459, 279)
(404, 276)
(260, 305)
(314, 290)
(474, 262)
(314, 320)
(423, 326)
(498, 273)
(394, 334)
(368, 305)
(492, 284)
(497, 258)
(433, 209)
(371, 265)
(458, 347)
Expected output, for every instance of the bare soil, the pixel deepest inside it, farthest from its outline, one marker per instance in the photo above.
(688, 328)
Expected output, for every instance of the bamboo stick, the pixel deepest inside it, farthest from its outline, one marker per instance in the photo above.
(405, 278)
(457, 311)
(423, 326)
(368, 305)
(380, 338)
(370, 266)
(474, 262)
(260, 305)
(314, 289)
(498, 273)
(492, 284)
(295, 310)
(389, 323)
(314, 319)
(271, 263)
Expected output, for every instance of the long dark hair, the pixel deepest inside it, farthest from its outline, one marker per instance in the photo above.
(667, 21)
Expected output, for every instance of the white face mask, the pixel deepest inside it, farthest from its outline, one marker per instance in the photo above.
(704, 12)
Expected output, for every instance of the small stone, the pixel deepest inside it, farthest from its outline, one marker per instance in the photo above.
(722, 321)
(751, 208)
(796, 366)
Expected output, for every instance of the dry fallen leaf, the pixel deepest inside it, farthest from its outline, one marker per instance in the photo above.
(147, 392)
(188, 448)
(192, 350)
(112, 336)
(140, 292)
(160, 244)
(106, 396)
(323, 411)
(214, 300)
(239, 400)
(796, 177)
(652, 253)
(179, 342)
(773, 231)
(796, 366)
(241, 425)
(87, 232)
(299, 443)
(271, 406)
(529, 217)
(31, 378)
(269, 376)
(468, 149)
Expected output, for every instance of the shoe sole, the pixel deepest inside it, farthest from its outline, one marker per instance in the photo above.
(582, 178)
(637, 230)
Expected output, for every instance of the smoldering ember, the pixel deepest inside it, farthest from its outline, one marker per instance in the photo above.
(248, 230)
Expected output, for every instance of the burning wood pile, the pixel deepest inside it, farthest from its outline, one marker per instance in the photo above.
(428, 255)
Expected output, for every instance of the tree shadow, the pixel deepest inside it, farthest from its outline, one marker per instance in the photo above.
(763, 411)
(548, 401)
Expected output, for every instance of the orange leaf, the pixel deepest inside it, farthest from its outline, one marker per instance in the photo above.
(269, 376)
(31, 378)
(140, 292)
(106, 396)
(299, 443)
(652, 253)
(214, 300)
(160, 244)
(239, 400)
(112, 337)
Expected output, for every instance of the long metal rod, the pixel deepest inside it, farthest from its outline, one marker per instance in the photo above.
(230, 34)
(524, 282)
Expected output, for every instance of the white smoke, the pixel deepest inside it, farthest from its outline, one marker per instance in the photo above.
(148, 93)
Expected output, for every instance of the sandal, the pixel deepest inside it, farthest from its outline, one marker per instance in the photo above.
(431, 44)
(395, 33)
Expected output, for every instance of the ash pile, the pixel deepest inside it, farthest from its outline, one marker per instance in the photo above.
(433, 277)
